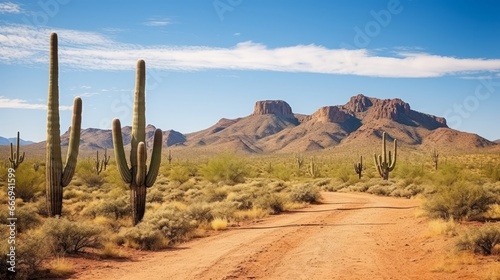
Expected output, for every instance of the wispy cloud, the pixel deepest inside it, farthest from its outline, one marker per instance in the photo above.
(23, 104)
(10, 8)
(20, 44)
(158, 21)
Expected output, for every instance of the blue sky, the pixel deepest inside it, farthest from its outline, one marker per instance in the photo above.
(212, 59)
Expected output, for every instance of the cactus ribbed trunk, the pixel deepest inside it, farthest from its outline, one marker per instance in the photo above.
(56, 176)
(138, 175)
(138, 202)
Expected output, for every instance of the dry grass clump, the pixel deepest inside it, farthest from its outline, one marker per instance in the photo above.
(481, 240)
(219, 224)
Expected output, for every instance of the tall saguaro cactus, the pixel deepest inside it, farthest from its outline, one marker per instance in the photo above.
(384, 163)
(57, 175)
(138, 175)
(15, 157)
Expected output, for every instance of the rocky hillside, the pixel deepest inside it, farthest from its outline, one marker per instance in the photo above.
(274, 127)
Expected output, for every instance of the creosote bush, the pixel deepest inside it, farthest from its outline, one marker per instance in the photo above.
(225, 168)
(305, 193)
(461, 201)
(481, 240)
(71, 237)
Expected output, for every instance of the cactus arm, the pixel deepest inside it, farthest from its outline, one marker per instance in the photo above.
(154, 165)
(378, 164)
(139, 115)
(141, 164)
(393, 161)
(74, 143)
(121, 161)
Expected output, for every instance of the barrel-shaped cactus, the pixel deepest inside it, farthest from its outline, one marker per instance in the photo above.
(138, 175)
(385, 163)
(57, 175)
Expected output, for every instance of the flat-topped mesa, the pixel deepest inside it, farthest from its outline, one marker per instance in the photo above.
(358, 103)
(274, 107)
(332, 114)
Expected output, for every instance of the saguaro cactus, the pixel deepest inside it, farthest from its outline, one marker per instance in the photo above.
(137, 174)
(435, 158)
(58, 176)
(358, 167)
(15, 158)
(383, 163)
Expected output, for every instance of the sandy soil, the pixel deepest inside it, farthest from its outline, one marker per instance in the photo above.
(350, 236)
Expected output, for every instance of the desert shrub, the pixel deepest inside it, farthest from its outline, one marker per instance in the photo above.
(281, 172)
(154, 195)
(200, 212)
(174, 223)
(214, 194)
(448, 174)
(114, 208)
(28, 183)
(273, 203)
(71, 237)
(462, 201)
(225, 168)
(180, 173)
(219, 224)
(223, 209)
(242, 200)
(86, 172)
(31, 251)
(492, 172)
(481, 240)
(381, 190)
(144, 236)
(305, 193)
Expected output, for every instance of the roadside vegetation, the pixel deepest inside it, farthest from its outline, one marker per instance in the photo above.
(196, 197)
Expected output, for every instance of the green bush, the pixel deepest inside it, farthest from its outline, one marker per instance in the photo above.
(462, 201)
(87, 173)
(71, 237)
(180, 173)
(492, 172)
(28, 183)
(225, 168)
(144, 236)
(480, 240)
(305, 193)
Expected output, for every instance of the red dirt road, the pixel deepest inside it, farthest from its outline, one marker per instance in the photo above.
(350, 236)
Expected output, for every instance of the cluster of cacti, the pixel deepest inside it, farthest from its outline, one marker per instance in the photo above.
(57, 175)
(15, 157)
(385, 163)
(358, 167)
(101, 164)
(435, 158)
(138, 175)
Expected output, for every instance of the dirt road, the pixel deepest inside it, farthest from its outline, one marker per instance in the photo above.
(350, 236)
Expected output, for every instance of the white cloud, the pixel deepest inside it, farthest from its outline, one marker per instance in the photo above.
(23, 104)
(10, 8)
(22, 44)
(157, 21)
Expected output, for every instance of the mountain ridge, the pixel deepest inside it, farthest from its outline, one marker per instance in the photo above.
(274, 127)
